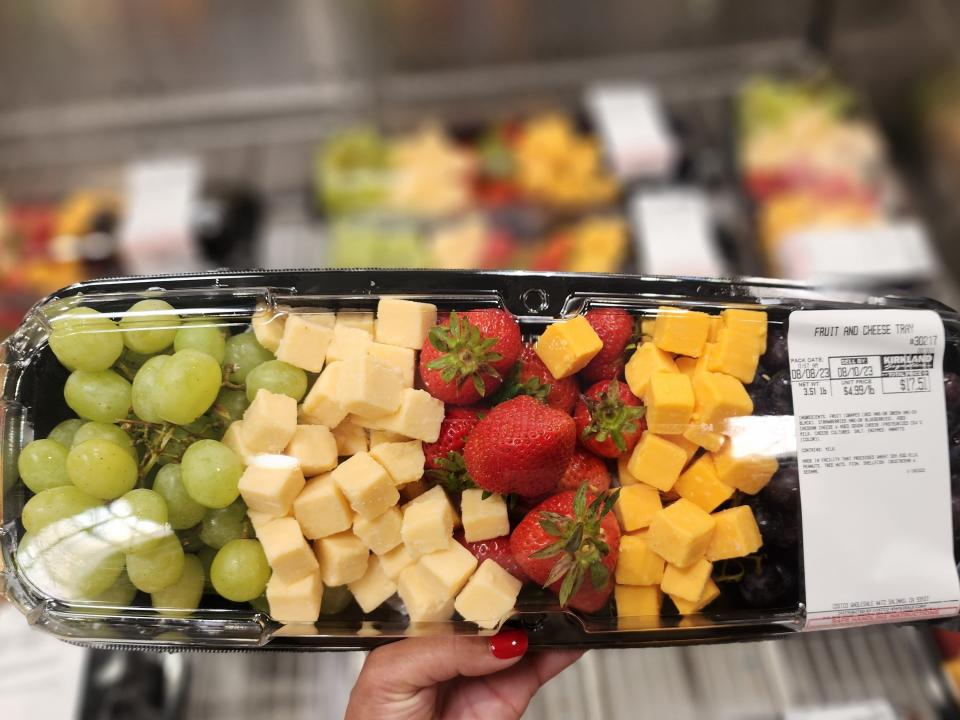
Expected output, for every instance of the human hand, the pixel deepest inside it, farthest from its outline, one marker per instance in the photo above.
(454, 676)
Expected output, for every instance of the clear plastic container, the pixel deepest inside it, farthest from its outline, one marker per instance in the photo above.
(33, 404)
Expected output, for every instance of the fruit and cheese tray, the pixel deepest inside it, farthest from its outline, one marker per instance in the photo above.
(335, 459)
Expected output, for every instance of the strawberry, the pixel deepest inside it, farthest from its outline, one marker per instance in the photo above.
(570, 543)
(531, 377)
(496, 549)
(466, 358)
(522, 446)
(609, 419)
(585, 467)
(456, 426)
(618, 331)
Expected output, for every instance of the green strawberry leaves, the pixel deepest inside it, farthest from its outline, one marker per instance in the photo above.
(579, 547)
(611, 418)
(465, 353)
(514, 386)
(451, 473)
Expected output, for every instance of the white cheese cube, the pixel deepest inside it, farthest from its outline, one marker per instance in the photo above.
(321, 509)
(287, 552)
(374, 588)
(369, 388)
(343, 558)
(304, 343)
(268, 325)
(394, 562)
(322, 404)
(401, 358)
(419, 416)
(490, 595)
(295, 602)
(424, 598)
(359, 319)
(348, 343)
(270, 484)
(269, 422)
(451, 567)
(402, 460)
(382, 533)
(366, 485)
(351, 438)
(233, 439)
(384, 436)
(483, 519)
(315, 449)
(259, 519)
(427, 523)
(404, 322)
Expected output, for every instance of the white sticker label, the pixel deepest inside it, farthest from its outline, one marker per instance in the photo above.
(868, 710)
(874, 473)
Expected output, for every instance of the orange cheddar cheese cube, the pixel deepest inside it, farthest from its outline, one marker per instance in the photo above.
(702, 436)
(687, 365)
(747, 322)
(638, 606)
(748, 473)
(735, 535)
(669, 400)
(656, 461)
(623, 471)
(710, 593)
(735, 353)
(636, 506)
(720, 397)
(690, 448)
(680, 331)
(637, 563)
(567, 346)
(686, 583)
(646, 327)
(700, 485)
(716, 322)
(680, 533)
(647, 360)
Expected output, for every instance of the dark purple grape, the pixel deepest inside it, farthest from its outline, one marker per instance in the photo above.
(765, 587)
(789, 536)
(783, 491)
(776, 358)
(955, 457)
(777, 529)
(780, 395)
(761, 399)
(951, 389)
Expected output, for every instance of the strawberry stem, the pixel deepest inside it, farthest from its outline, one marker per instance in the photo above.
(611, 418)
(465, 353)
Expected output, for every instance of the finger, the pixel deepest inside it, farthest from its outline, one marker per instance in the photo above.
(549, 664)
(416, 663)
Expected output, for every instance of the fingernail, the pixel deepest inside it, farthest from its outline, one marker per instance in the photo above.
(508, 643)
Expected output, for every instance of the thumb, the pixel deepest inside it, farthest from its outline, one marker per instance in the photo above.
(409, 665)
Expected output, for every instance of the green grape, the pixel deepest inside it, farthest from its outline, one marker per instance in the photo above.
(188, 384)
(184, 512)
(183, 596)
(158, 568)
(335, 599)
(231, 403)
(146, 389)
(63, 432)
(138, 522)
(240, 571)
(229, 523)
(120, 594)
(277, 377)
(201, 335)
(210, 472)
(133, 361)
(103, 395)
(102, 469)
(149, 326)
(206, 555)
(81, 564)
(55, 504)
(43, 465)
(83, 339)
(108, 432)
(260, 604)
(205, 427)
(244, 353)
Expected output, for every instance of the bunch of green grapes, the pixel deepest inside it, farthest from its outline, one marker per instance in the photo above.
(137, 493)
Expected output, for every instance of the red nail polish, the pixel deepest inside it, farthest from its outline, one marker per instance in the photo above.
(508, 643)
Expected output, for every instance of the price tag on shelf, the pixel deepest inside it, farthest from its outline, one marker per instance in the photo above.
(874, 474)
(631, 122)
(891, 251)
(673, 229)
(157, 232)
